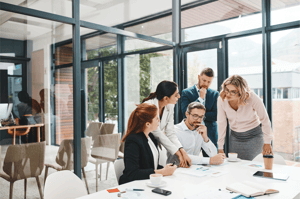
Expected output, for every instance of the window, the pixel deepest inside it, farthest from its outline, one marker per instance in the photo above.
(143, 72)
(220, 17)
(245, 59)
(285, 83)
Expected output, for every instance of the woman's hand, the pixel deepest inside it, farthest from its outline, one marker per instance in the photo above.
(267, 149)
(221, 151)
(167, 170)
(186, 158)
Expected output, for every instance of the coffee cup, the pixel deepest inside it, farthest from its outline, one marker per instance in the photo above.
(268, 161)
(232, 156)
(155, 179)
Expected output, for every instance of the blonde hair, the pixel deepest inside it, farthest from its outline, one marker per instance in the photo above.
(240, 84)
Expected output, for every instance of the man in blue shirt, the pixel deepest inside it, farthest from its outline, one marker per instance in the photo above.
(201, 92)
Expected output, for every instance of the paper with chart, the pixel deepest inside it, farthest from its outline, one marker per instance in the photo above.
(201, 171)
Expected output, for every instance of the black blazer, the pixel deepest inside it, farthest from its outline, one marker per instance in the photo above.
(138, 158)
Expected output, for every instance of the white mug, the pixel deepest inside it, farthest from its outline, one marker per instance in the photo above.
(156, 179)
(232, 156)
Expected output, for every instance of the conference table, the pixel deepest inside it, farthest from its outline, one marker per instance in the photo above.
(183, 185)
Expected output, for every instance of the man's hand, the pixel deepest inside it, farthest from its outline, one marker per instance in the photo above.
(202, 93)
(203, 131)
(182, 162)
(267, 149)
(217, 159)
(185, 157)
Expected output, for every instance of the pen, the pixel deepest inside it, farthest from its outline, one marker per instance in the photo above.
(173, 163)
(130, 189)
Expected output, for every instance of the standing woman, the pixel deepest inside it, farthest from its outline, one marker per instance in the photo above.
(141, 154)
(249, 122)
(164, 98)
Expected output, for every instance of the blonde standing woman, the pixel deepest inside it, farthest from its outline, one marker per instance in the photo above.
(249, 122)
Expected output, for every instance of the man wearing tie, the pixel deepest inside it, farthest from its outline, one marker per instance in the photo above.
(201, 92)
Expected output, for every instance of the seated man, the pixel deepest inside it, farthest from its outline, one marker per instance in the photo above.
(193, 136)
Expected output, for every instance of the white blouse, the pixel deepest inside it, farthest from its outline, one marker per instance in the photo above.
(154, 152)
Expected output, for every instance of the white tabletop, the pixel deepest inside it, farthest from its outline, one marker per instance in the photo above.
(182, 185)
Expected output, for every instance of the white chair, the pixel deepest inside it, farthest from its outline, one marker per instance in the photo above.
(64, 185)
(103, 143)
(119, 168)
(107, 128)
(93, 129)
(278, 159)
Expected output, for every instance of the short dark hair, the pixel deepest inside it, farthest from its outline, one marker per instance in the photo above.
(208, 72)
(194, 105)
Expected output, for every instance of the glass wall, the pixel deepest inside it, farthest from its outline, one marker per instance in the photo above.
(36, 87)
(283, 11)
(285, 91)
(92, 91)
(245, 59)
(111, 92)
(197, 61)
(220, 17)
(143, 72)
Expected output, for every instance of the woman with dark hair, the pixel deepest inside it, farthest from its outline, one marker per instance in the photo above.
(164, 98)
(141, 154)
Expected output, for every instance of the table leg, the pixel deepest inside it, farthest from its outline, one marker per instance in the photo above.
(38, 134)
(14, 137)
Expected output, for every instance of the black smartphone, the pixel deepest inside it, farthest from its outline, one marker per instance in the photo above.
(161, 191)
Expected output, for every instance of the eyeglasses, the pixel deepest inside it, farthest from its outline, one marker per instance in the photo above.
(196, 117)
(232, 93)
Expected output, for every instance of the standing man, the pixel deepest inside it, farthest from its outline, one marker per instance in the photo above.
(202, 93)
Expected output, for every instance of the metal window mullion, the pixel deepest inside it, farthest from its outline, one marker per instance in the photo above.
(101, 92)
(121, 84)
(112, 30)
(267, 68)
(76, 88)
(176, 38)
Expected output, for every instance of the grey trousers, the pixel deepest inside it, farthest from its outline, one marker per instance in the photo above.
(246, 144)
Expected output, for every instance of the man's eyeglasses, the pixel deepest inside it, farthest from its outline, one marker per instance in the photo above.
(196, 117)
(232, 93)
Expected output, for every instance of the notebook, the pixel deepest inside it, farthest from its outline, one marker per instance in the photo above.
(250, 189)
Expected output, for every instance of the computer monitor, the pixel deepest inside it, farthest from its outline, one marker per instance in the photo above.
(5, 110)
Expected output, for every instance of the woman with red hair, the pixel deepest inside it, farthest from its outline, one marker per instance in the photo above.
(141, 155)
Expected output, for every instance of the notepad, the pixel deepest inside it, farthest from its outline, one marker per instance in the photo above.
(250, 189)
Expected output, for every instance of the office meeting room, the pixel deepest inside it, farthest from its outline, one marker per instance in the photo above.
(146, 99)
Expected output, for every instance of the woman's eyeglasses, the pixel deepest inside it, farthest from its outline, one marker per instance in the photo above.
(196, 117)
(232, 93)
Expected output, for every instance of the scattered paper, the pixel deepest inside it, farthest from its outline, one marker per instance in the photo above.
(255, 165)
(123, 194)
(213, 194)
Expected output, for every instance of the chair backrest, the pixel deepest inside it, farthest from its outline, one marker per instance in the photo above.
(93, 129)
(278, 159)
(109, 141)
(64, 155)
(24, 160)
(119, 168)
(64, 185)
(107, 128)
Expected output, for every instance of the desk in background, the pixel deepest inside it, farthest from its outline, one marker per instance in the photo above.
(13, 130)
(182, 185)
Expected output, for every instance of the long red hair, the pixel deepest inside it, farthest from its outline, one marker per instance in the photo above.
(139, 117)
